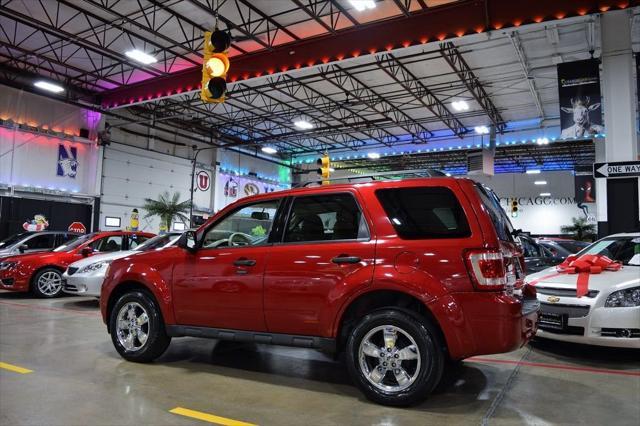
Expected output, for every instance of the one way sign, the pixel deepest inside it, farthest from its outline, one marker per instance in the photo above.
(621, 169)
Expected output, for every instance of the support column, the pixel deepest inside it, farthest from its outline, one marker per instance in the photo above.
(621, 143)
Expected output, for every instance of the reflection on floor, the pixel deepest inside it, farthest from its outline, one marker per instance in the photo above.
(78, 378)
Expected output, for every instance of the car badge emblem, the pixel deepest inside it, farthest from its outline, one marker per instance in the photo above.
(553, 299)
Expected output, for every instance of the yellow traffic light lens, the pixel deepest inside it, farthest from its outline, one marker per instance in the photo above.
(216, 67)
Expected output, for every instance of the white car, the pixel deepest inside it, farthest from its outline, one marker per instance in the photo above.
(85, 277)
(609, 315)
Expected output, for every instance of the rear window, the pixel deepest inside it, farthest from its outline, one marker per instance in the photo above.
(501, 222)
(424, 213)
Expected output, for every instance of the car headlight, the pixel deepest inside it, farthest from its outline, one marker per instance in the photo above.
(7, 265)
(624, 298)
(94, 267)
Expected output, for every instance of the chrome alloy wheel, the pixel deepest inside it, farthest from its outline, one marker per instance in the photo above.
(50, 283)
(132, 326)
(389, 358)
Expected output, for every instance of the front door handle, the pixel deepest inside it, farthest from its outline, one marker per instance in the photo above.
(346, 259)
(244, 262)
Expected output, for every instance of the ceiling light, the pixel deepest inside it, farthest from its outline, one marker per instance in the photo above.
(50, 87)
(373, 155)
(460, 105)
(331, 169)
(542, 141)
(545, 194)
(303, 124)
(540, 182)
(362, 5)
(482, 130)
(140, 56)
(269, 150)
(533, 172)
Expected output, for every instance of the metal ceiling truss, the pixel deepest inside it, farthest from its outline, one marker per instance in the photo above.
(578, 155)
(320, 10)
(454, 58)
(355, 88)
(395, 69)
(60, 42)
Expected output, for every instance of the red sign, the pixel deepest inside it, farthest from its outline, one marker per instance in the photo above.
(203, 180)
(78, 228)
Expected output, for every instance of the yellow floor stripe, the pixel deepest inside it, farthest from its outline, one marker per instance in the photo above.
(15, 368)
(205, 417)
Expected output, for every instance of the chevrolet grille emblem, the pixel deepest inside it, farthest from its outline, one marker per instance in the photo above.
(553, 299)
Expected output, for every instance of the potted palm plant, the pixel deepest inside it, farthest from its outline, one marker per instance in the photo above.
(168, 207)
(580, 229)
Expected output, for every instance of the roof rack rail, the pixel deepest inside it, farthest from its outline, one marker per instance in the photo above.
(399, 174)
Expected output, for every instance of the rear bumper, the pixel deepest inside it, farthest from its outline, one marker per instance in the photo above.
(477, 323)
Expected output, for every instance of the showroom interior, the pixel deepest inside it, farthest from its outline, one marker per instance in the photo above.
(422, 142)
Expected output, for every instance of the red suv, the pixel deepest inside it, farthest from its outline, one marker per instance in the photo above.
(401, 275)
(41, 273)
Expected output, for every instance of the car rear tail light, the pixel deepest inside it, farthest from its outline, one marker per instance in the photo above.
(487, 270)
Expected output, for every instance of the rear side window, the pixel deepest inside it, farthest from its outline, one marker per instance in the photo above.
(424, 213)
(325, 218)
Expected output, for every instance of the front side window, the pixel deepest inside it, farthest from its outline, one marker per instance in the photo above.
(325, 218)
(424, 212)
(135, 240)
(41, 242)
(107, 244)
(248, 226)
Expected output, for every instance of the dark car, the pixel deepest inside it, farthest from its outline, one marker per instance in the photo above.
(536, 256)
(562, 248)
(29, 242)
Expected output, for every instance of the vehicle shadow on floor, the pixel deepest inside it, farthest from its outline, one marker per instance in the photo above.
(310, 370)
(84, 304)
(586, 355)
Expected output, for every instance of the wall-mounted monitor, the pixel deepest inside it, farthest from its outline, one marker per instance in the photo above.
(179, 226)
(112, 222)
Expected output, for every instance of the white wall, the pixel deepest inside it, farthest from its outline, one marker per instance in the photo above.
(130, 174)
(536, 214)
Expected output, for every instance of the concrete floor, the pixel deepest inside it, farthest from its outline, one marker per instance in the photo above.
(79, 379)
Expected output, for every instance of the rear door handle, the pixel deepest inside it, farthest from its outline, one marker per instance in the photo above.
(244, 262)
(346, 259)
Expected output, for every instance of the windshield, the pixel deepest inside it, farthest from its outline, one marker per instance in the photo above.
(75, 243)
(158, 242)
(572, 246)
(11, 240)
(621, 249)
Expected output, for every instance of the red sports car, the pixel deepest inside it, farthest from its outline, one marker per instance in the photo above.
(41, 273)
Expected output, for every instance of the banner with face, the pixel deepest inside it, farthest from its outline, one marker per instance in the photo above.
(580, 99)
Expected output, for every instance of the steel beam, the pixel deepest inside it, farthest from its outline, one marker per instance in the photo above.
(436, 23)
(454, 58)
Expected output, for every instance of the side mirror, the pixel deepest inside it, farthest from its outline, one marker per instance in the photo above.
(86, 251)
(23, 248)
(188, 241)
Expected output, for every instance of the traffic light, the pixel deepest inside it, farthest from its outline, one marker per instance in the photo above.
(215, 65)
(325, 168)
(514, 208)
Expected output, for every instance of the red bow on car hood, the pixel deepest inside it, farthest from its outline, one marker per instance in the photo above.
(584, 266)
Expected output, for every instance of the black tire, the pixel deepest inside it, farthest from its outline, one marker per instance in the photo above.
(43, 293)
(157, 340)
(431, 358)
